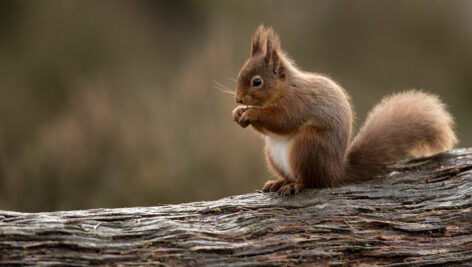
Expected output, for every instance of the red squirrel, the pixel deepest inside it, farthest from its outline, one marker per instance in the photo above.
(306, 119)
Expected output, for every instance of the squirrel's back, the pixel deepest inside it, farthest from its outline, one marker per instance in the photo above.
(408, 124)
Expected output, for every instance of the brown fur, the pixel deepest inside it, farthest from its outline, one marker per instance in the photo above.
(409, 124)
(315, 113)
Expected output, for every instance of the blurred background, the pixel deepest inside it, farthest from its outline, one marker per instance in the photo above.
(114, 103)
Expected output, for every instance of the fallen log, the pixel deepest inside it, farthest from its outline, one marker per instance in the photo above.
(419, 215)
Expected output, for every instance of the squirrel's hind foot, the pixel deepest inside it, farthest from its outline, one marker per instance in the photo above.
(274, 185)
(290, 189)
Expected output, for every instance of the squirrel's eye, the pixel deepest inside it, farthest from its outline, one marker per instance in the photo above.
(256, 82)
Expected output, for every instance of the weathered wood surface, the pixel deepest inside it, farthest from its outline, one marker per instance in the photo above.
(420, 215)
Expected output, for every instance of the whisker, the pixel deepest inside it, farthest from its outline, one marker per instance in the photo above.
(233, 77)
(223, 88)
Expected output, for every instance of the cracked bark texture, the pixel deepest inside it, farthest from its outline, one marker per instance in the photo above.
(418, 215)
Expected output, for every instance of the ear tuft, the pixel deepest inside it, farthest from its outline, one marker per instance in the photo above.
(272, 42)
(258, 41)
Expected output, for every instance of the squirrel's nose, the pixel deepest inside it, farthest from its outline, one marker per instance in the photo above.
(239, 100)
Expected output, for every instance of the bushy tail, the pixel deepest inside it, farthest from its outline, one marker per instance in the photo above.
(409, 124)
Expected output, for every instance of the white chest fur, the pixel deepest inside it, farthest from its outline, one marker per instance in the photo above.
(279, 149)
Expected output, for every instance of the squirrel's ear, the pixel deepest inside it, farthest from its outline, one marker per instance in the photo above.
(266, 43)
(275, 63)
(272, 57)
(258, 41)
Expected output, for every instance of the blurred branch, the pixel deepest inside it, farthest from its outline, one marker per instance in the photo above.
(419, 215)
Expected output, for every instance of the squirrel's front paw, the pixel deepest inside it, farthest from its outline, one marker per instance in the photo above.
(244, 121)
(238, 116)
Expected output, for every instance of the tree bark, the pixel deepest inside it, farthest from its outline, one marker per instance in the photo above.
(418, 215)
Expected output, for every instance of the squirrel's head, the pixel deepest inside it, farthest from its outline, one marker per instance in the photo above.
(263, 76)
